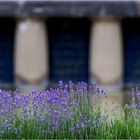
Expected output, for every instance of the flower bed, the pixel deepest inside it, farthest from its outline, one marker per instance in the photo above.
(67, 112)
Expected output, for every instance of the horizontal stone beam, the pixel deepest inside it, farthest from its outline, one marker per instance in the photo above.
(69, 8)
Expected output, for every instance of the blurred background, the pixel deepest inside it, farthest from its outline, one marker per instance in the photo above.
(42, 42)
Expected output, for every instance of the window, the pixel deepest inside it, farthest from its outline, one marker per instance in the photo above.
(69, 45)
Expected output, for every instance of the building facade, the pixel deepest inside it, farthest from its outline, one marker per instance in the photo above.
(42, 42)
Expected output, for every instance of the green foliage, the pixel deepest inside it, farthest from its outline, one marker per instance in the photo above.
(82, 120)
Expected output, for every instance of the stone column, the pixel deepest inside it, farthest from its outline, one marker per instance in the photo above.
(31, 54)
(106, 55)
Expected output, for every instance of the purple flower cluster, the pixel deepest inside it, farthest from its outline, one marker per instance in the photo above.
(51, 108)
(133, 110)
(135, 98)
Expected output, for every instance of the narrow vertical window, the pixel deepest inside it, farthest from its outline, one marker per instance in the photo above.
(7, 28)
(69, 44)
(131, 39)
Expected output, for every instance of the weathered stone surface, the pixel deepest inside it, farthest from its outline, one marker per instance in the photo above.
(74, 8)
(31, 53)
(106, 51)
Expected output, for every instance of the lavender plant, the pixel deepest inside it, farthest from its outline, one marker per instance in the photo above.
(69, 111)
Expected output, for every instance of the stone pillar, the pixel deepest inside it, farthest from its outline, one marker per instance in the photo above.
(31, 54)
(106, 55)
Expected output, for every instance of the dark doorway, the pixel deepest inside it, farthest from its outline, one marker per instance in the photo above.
(131, 38)
(7, 28)
(69, 46)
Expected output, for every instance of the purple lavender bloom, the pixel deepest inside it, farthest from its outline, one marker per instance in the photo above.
(96, 122)
(41, 119)
(80, 117)
(66, 87)
(83, 125)
(132, 101)
(9, 128)
(64, 116)
(56, 124)
(98, 91)
(89, 121)
(137, 93)
(49, 99)
(77, 126)
(72, 116)
(50, 107)
(61, 83)
(3, 125)
(63, 104)
(56, 115)
(33, 91)
(64, 93)
(2, 111)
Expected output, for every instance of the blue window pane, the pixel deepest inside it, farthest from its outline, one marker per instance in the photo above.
(7, 27)
(69, 45)
(131, 38)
